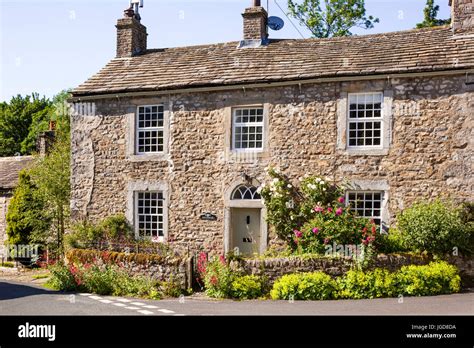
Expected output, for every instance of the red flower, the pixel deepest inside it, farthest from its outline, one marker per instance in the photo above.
(213, 280)
(373, 229)
(222, 259)
(341, 200)
(339, 211)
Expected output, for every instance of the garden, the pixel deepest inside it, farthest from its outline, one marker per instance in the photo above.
(314, 225)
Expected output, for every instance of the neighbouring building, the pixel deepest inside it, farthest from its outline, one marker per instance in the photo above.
(178, 138)
(10, 167)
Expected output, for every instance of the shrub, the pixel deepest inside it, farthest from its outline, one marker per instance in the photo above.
(171, 288)
(62, 278)
(113, 229)
(391, 242)
(331, 225)
(433, 279)
(357, 284)
(247, 287)
(304, 286)
(218, 278)
(435, 227)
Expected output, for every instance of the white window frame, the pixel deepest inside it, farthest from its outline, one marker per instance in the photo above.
(149, 129)
(248, 124)
(156, 238)
(365, 121)
(381, 208)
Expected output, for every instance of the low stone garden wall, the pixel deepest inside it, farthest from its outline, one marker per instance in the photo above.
(273, 268)
(158, 267)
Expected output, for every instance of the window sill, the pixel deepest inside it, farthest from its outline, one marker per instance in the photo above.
(365, 152)
(148, 157)
(239, 156)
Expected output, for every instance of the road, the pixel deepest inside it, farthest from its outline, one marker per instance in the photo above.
(29, 299)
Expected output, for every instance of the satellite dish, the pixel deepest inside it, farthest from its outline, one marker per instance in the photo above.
(275, 23)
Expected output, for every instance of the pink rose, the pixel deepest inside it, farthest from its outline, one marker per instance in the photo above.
(315, 230)
(330, 209)
(339, 211)
(318, 209)
(326, 240)
(298, 234)
(341, 200)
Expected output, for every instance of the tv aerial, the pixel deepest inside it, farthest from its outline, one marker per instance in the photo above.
(135, 4)
(275, 23)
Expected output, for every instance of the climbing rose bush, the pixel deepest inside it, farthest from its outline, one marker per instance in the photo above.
(313, 215)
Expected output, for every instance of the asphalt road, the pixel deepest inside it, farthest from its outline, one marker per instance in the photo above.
(27, 299)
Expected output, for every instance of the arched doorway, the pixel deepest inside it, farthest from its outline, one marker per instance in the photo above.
(246, 228)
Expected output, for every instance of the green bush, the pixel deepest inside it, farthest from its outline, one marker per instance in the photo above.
(247, 287)
(218, 278)
(433, 279)
(357, 284)
(304, 286)
(391, 242)
(62, 278)
(113, 229)
(171, 288)
(435, 227)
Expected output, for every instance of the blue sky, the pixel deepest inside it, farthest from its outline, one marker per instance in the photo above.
(50, 45)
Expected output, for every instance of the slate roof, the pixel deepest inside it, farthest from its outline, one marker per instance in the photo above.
(419, 50)
(10, 168)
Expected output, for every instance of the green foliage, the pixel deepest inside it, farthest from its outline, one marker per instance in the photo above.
(357, 284)
(247, 287)
(336, 225)
(7, 264)
(61, 278)
(430, 13)
(18, 118)
(25, 214)
(435, 227)
(102, 279)
(171, 288)
(328, 18)
(51, 176)
(113, 229)
(304, 286)
(433, 279)
(218, 278)
(391, 242)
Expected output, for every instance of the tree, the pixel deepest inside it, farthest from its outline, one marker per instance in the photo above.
(25, 214)
(334, 18)
(430, 13)
(16, 119)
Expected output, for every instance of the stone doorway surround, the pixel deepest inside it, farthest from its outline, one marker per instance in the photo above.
(230, 203)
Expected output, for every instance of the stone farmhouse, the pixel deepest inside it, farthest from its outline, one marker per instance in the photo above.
(178, 139)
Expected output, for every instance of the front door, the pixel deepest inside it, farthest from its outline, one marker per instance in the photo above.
(246, 230)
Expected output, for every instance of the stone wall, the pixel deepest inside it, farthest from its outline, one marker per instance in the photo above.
(161, 268)
(274, 268)
(430, 152)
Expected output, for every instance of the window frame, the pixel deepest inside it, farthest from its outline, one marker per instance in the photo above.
(381, 208)
(137, 130)
(247, 124)
(365, 120)
(136, 217)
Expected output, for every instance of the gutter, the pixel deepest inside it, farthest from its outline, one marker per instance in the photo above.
(272, 84)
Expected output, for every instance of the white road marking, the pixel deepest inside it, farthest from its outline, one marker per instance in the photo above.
(145, 312)
(166, 311)
(85, 294)
(150, 306)
(119, 304)
(137, 304)
(133, 308)
(123, 300)
(95, 297)
(179, 315)
(105, 301)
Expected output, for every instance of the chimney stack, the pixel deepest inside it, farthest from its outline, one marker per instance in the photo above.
(462, 16)
(131, 35)
(255, 23)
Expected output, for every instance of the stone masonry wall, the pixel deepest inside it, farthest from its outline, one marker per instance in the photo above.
(430, 152)
(4, 200)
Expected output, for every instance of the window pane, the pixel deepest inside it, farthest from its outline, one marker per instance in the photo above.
(248, 129)
(147, 213)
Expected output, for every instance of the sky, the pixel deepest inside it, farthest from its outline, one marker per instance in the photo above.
(50, 45)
